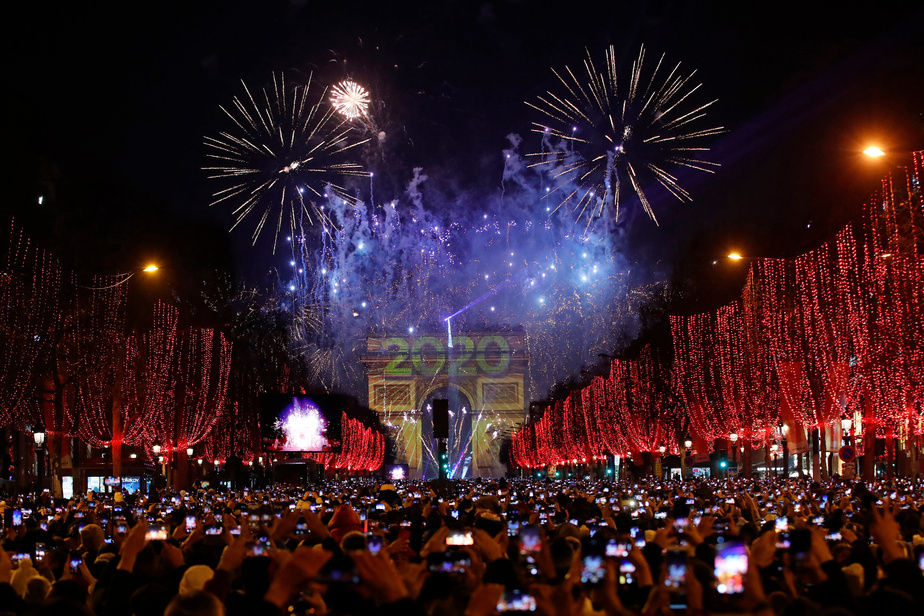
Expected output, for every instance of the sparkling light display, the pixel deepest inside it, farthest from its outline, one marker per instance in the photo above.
(30, 285)
(626, 413)
(350, 99)
(603, 140)
(302, 427)
(286, 151)
(397, 267)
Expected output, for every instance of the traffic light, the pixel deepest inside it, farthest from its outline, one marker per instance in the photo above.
(723, 459)
(443, 459)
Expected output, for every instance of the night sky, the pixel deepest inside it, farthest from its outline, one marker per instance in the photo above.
(108, 105)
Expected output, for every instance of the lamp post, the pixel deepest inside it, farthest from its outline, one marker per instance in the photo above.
(846, 424)
(687, 447)
(39, 437)
(189, 466)
(733, 437)
(156, 448)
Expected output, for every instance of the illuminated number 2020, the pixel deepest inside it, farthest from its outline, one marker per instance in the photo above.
(503, 360)
(400, 347)
(438, 354)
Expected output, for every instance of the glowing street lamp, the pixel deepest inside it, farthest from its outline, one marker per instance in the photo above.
(873, 152)
(120, 279)
(39, 437)
(735, 256)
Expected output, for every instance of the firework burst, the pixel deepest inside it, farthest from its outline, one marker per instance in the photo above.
(350, 99)
(287, 151)
(602, 140)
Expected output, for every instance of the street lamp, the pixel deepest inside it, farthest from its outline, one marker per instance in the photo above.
(39, 437)
(873, 152)
(156, 448)
(121, 279)
(189, 452)
(733, 437)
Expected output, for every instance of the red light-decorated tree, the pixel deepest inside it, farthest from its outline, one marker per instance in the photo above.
(30, 315)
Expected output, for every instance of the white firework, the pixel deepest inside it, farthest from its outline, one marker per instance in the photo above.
(602, 141)
(350, 99)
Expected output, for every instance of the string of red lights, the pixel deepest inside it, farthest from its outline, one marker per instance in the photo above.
(834, 333)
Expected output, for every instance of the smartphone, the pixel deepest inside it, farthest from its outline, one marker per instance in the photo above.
(254, 549)
(800, 545)
(530, 540)
(39, 551)
(516, 601)
(616, 549)
(626, 572)
(121, 527)
(17, 517)
(156, 532)
(593, 565)
(75, 562)
(513, 527)
(782, 524)
(448, 562)
(782, 541)
(190, 523)
(834, 536)
(339, 569)
(374, 543)
(530, 546)
(459, 537)
(731, 564)
(676, 580)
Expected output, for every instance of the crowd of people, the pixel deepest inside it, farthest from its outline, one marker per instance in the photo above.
(476, 548)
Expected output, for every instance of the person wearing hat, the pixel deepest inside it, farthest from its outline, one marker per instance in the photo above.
(344, 520)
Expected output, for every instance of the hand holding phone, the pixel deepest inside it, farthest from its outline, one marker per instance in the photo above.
(731, 564)
(676, 580)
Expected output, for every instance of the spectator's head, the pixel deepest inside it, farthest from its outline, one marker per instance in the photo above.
(22, 575)
(344, 520)
(37, 589)
(353, 541)
(195, 579)
(68, 590)
(199, 603)
(149, 600)
(64, 607)
(92, 537)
